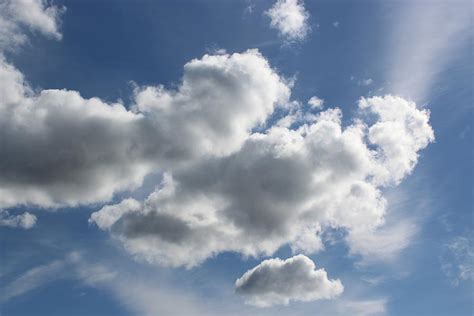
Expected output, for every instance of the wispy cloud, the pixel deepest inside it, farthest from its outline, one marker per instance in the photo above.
(425, 37)
(457, 260)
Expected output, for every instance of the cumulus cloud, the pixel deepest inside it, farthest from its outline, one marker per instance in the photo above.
(25, 220)
(290, 18)
(226, 187)
(35, 15)
(276, 281)
(283, 186)
(85, 150)
(315, 102)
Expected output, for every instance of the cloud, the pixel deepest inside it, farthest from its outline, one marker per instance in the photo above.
(32, 14)
(383, 243)
(25, 220)
(420, 44)
(276, 281)
(335, 24)
(315, 102)
(290, 18)
(226, 187)
(365, 82)
(85, 150)
(457, 260)
(283, 186)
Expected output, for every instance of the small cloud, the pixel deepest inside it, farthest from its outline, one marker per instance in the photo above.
(214, 49)
(25, 220)
(290, 18)
(315, 102)
(277, 282)
(335, 24)
(365, 82)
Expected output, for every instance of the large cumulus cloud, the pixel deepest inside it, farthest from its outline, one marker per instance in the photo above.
(276, 282)
(283, 186)
(58, 148)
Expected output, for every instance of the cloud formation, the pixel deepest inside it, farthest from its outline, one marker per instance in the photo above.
(35, 15)
(226, 187)
(315, 102)
(282, 186)
(276, 282)
(15, 17)
(290, 18)
(85, 150)
(25, 220)
(420, 44)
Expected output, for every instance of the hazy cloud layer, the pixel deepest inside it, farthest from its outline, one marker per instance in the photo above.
(276, 281)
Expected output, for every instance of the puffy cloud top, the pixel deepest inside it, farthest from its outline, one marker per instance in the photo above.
(276, 282)
(33, 14)
(290, 18)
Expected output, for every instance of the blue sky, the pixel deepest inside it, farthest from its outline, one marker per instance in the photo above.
(158, 205)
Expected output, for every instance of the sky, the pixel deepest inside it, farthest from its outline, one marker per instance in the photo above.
(272, 157)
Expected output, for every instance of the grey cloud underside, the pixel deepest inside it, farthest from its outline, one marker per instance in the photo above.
(280, 187)
(61, 149)
(278, 282)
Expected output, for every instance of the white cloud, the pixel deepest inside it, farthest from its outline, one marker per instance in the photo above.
(226, 188)
(33, 14)
(335, 24)
(315, 102)
(86, 150)
(25, 220)
(290, 18)
(283, 186)
(276, 282)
